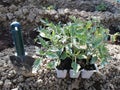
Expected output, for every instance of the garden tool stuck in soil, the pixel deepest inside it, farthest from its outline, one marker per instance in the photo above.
(21, 62)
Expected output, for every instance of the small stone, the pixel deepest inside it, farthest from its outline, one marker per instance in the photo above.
(7, 83)
(40, 12)
(3, 74)
(56, 16)
(12, 8)
(7, 1)
(1, 64)
(3, 9)
(11, 74)
(39, 81)
(84, 14)
(19, 14)
(1, 6)
(31, 16)
(118, 56)
(1, 82)
(4, 77)
(20, 79)
(51, 12)
(25, 11)
(66, 10)
(61, 11)
(2, 17)
(10, 16)
(37, 19)
(35, 11)
(14, 81)
(15, 89)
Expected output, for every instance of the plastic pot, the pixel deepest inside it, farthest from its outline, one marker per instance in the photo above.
(88, 73)
(74, 74)
(61, 73)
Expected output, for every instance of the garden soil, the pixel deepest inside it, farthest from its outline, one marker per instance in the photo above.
(29, 13)
(107, 79)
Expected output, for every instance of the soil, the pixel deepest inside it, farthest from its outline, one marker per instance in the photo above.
(28, 12)
(107, 79)
(90, 67)
(65, 64)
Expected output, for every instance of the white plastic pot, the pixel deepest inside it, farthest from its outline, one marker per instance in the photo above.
(61, 73)
(88, 73)
(74, 74)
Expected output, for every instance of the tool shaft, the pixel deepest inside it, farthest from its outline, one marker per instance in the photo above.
(17, 38)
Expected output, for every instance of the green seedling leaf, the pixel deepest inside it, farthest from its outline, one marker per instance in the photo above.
(37, 50)
(82, 56)
(97, 41)
(59, 52)
(53, 49)
(51, 65)
(113, 38)
(101, 7)
(42, 34)
(103, 51)
(64, 39)
(104, 62)
(94, 59)
(43, 21)
(50, 7)
(43, 42)
(41, 52)
(63, 55)
(89, 24)
(51, 55)
(36, 65)
(68, 49)
(76, 67)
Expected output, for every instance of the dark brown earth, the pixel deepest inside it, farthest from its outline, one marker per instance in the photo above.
(29, 12)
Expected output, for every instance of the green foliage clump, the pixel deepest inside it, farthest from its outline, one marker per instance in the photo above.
(78, 40)
(101, 7)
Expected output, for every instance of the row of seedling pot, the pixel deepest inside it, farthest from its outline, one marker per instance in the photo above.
(76, 45)
(69, 67)
(72, 74)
